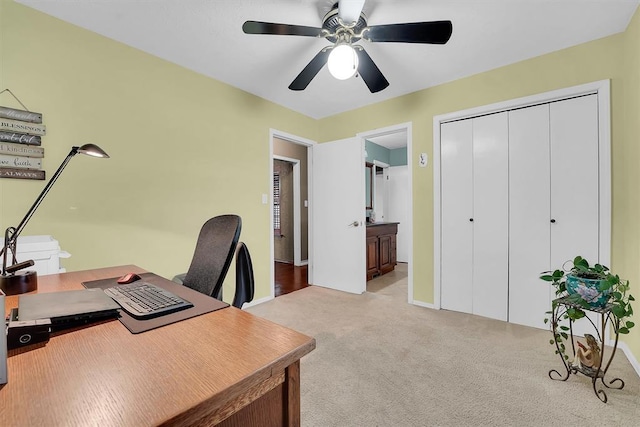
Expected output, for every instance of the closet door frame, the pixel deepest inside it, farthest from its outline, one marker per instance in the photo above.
(600, 88)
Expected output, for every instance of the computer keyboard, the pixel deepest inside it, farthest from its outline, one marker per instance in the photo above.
(144, 300)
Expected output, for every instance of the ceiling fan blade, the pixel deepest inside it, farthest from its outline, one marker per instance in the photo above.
(310, 71)
(349, 10)
(435, 32)
(370, 72)
(257, 27)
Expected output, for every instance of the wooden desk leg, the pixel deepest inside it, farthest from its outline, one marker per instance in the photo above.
(291, 395)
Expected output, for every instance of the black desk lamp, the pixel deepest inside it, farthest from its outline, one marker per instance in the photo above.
(13, 282)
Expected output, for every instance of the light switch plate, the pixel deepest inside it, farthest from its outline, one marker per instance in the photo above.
(422, 160)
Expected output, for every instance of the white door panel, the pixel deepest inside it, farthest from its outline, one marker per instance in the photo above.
(338, 216)
(380, 197)
(490, 216)
(574, 184)
(457, 209)
(574, 179)
(397, 208)
(529, 215)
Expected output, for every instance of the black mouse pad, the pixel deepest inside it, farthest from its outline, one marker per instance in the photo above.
(201, 303)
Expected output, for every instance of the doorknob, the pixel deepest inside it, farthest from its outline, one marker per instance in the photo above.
(354, 224)
(553, 221)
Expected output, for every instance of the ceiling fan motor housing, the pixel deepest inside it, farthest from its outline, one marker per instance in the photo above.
(332, 24)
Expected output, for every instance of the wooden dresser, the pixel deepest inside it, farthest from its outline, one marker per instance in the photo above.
(381, 248)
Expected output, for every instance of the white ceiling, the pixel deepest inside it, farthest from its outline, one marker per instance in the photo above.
(206, 36)
(391, 140)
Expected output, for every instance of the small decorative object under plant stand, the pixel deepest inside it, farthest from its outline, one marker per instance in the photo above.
(588, 288)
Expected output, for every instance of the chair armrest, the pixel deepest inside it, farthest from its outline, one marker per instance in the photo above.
(179, 278)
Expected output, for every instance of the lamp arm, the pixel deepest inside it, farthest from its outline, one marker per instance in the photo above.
(54, 178)
(10, 242)
(9, 245)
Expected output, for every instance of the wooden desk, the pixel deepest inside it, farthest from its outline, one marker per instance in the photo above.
(228, 367)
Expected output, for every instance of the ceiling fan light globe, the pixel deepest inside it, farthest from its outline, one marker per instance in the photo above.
(343, 62)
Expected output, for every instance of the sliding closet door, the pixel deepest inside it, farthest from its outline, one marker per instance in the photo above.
(457, 209)
(574, 179)
(474, 168)
(490, 215)
(519, 196)
(574, 184)
(529, 215)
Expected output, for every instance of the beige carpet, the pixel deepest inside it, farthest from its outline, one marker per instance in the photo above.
(380, 361)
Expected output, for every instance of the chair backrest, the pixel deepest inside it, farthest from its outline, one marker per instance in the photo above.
(244, 277)
(213, 254)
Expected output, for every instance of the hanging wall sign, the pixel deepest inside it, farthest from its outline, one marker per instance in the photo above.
(21, 134)
(21, 150)
(24, 116)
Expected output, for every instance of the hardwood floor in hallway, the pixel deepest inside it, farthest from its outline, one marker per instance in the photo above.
(289, 278)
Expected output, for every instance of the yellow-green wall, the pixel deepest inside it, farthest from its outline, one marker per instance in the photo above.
(626, 198)
(183, 148)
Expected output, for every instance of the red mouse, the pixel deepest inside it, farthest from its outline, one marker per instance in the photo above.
(128, 278)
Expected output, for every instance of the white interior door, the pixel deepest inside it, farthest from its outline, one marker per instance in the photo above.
(339, 257)
(380, 196)
(457, 213)
(397, 212)
(529, 216)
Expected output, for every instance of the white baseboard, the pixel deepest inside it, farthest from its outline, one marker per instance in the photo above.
(423, 304)
(257, 301)
(303, 262)
(630, 357)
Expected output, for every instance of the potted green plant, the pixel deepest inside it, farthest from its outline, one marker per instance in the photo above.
(587, 287)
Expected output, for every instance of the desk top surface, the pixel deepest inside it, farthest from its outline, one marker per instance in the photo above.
(104, 375)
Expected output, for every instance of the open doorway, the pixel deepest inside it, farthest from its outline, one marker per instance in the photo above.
(290, 216)
(290, 239)
(340, 164)
(388, 151)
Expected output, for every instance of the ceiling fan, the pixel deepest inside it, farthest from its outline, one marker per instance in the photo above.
(344, 25)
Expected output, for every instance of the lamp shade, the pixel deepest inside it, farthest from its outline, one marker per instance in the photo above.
(343, 62)
(92, 150)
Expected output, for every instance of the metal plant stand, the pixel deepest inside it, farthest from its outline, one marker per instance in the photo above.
(595, 373)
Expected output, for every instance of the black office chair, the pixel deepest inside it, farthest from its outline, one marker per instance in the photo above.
(213, 255)
(244, 277)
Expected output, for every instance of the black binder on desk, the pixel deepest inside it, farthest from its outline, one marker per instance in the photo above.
(201, 303)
